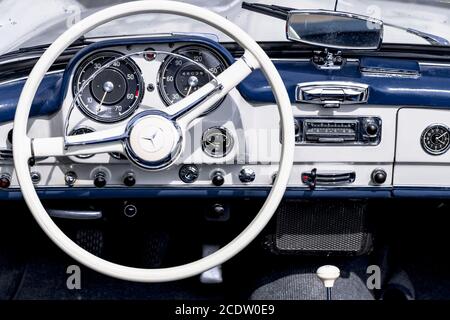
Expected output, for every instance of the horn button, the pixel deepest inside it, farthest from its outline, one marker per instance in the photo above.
(153, 142)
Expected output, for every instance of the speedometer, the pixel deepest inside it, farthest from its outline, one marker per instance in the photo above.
(180, 77)
(114, 93)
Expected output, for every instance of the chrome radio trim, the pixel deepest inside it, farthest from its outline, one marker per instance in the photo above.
(362, 138)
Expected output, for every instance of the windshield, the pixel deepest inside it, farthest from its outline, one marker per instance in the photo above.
(22, 23)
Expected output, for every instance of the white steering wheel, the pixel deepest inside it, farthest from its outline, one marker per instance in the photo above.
(174, 124)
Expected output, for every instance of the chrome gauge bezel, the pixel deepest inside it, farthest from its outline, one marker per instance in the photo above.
(162, 70)
(225, 132)
(88, 130)
(429, 150)
(81, 105)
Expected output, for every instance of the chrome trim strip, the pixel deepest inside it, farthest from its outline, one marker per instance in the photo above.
(75, 214)
(434, 64)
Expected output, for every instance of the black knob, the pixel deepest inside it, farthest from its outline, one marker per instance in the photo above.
(379, 176)
(218, 211)
(100, 179)
(218, 179)
(5, 181)
(129, 180)
(372, 129)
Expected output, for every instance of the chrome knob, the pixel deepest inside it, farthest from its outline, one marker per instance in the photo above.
(70, 178)
(189, 173)
(247, 175)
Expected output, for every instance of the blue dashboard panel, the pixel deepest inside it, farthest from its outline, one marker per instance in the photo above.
(430, 87)
(46, 102)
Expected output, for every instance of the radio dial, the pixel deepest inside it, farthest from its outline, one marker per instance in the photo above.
(372, 128)
(379, 176)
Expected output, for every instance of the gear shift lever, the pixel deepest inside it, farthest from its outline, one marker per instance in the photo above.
(328, 275)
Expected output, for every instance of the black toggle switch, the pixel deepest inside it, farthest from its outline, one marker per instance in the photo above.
(310, 179)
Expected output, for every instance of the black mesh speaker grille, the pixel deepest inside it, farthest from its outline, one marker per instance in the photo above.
(327, 227)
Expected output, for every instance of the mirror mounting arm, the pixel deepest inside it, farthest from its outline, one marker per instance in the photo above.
(328, 59)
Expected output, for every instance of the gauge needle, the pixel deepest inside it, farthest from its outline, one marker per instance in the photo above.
(442, 135)
(99, 108)
(189, 90)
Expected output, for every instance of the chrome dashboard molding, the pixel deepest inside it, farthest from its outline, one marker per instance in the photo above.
(386, 72)
(75, 214)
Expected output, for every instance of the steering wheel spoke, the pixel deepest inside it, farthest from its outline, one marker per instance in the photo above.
(194, 105)
(104, 141)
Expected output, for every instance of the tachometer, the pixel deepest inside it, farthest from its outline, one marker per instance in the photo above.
(114, 93)
(180, 77)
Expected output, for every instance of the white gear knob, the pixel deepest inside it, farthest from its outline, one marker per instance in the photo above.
(328, 275)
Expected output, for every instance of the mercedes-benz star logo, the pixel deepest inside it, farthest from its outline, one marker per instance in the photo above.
(153, 140)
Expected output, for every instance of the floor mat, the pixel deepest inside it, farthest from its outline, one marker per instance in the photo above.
(46, 280)
(301, 283)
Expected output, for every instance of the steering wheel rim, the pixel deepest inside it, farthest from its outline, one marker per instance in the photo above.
(22, 144)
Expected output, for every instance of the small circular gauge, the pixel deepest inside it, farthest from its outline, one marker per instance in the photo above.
(217, 142)
(114, 93)
(435, 139)
(180, 77)
(78, 131)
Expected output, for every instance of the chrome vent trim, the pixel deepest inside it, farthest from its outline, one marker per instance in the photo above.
(332, 93)
(6, 155)
(389, 73)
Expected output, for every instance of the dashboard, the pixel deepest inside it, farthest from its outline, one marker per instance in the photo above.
(365, 129)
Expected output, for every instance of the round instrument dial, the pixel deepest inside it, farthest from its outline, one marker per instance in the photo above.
(217, 142)
(180, 77)
(435, 139)
(114, 93)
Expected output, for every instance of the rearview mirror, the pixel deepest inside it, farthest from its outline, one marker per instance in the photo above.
(338, 30)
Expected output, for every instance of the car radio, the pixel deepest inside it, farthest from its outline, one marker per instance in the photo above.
(346, 131)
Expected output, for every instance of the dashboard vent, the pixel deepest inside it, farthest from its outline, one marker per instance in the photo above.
(6, 155)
